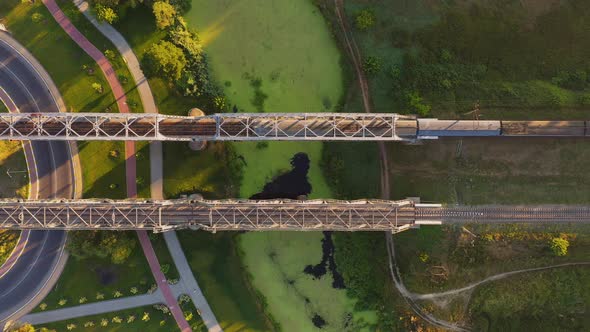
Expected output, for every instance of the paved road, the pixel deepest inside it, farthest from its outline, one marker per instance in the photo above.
(26, 87)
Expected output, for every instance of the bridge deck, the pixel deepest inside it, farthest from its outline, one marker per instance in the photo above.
(325, 215)
(371, 215)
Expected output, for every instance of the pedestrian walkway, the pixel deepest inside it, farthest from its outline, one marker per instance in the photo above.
(130, 161)
(91, 309)
(189, 283)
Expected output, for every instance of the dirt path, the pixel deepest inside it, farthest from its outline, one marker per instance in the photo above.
(409, 297)
(488, 279)
(356, 58)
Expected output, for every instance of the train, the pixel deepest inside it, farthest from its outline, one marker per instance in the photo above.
(434, 128)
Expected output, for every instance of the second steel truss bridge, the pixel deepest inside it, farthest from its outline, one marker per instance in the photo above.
(248, 215)
(161, 215)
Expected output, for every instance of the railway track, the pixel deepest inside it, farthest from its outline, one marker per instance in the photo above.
(237, 127)
(506, 214)
(369, 215)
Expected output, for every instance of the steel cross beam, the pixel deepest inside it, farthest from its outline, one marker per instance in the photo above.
(223, 215)
(224, 127)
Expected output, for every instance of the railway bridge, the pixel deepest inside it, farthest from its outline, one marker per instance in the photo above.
(249, 215)
(267, 126)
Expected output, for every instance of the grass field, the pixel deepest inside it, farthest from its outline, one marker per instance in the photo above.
(496, 249)
(216, 265)
(164, 257)
(157, 322)
(294, 66)
(555, 300)
(482, 171)
(276, 262)
(457, 55)
(87, 277)
(8, 240)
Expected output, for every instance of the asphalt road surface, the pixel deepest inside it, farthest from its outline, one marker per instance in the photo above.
(32, 272)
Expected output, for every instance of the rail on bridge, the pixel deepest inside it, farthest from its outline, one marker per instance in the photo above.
(222, 215)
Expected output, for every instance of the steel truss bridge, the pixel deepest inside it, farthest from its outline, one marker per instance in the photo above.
(248, 215)
(229, 127)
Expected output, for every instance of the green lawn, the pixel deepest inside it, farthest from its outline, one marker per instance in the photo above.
(157, 322)
(87, 277)
(490, 53)
(293, 67)
(554, 300)
(216, 265)
(475, 171)
(8, 240)
(276, 261)
(497, 249)
(164, 257)
(191, 314)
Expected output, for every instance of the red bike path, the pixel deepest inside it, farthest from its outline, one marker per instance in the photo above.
(130, 162)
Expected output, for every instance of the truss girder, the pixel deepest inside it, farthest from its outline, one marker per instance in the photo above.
(229, 127)
(222, 215)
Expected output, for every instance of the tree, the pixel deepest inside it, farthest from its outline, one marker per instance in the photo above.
(187, 40)
(164, 13)
(559, 246)
(106, 14)
(97, 87)
(118, 246)
(365, 19)
(22, 328)
(37, 17)
(372, 65)
(122, 251)
(416, 104)
(166, 59)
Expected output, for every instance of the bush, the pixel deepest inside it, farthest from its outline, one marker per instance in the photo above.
(261, 145)
(559, 246)
(97, 87)
(166, 59)
(106, 14)
(117, 245)
(372, 65)
(365, 19)
(37, 17)
(165, 14)
(416, 104)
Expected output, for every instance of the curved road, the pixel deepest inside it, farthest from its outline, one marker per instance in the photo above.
(34, 272)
